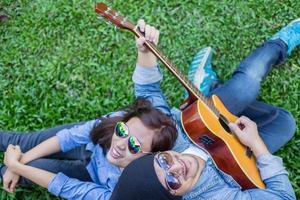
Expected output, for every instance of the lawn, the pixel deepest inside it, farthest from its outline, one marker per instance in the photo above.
(60, 64)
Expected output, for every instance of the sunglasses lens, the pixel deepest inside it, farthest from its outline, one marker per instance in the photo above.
(165, 160)
(121, 130)
(172, 181)
(134, 145)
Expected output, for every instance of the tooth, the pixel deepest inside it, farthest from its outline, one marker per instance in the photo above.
(116, 152)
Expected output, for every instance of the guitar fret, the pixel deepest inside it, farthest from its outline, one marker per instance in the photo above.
(188, 121)
(182, 78)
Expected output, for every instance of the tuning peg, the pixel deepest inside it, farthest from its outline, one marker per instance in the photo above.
(124, 20)
(116, 15)
(107, 11)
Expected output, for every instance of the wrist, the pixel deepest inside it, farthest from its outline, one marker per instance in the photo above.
(146, 59)
(144, 52)
(13, 166)
(24, 159)
(259, 148)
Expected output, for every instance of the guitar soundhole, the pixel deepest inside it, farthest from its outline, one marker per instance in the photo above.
(223, 121)
(206, 140)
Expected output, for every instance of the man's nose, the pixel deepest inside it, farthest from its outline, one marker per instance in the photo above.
(176, 168)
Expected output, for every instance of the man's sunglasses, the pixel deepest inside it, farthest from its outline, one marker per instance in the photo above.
(165, 161)
(122, 131)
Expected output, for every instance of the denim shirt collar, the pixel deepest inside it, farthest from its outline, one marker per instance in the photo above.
(208, 179)
(213, 184)
(101, 170)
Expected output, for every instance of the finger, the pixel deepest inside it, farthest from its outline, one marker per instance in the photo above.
(140, 42)
(245, 119)
(245, 122)
(235, 129)
(242, 123)
(156, 37)
(10, 146)
(13, 184)
(152, 33)
(6, 185)
(141, 25)
(18, 148)
(147, 31)
(232, 126)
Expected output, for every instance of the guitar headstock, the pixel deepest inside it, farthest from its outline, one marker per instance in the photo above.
(113, 16)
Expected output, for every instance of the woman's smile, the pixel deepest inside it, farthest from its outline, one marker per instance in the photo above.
(115, 154)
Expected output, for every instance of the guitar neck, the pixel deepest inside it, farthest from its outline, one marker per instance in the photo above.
(120, 21)
(189, 86)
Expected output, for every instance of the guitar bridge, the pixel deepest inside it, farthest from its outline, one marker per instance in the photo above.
(206, 140)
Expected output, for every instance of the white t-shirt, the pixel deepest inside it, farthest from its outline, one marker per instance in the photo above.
(194, 150)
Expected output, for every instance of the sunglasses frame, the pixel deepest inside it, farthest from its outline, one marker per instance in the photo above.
(130, 148)
(166, 171)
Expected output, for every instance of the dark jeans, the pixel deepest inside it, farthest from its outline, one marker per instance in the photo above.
(72, 165)
(275, 125)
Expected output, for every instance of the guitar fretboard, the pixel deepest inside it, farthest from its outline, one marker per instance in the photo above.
(181, 77)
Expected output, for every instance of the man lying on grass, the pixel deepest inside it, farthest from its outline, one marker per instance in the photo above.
(192, 174)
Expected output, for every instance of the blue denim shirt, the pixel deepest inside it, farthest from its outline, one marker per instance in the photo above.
(214, 184)
(211, 182)
(103, 173)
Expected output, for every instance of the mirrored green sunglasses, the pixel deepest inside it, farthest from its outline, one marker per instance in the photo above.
(122, 131)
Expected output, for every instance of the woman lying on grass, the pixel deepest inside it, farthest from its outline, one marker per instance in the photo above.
(84, 160)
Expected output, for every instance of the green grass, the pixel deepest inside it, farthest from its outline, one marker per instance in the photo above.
(60, 64)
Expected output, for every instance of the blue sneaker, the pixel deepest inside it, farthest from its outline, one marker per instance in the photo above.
(290, 34)
(201, 72)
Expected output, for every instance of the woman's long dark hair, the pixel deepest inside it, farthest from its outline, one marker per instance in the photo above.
(163, 126)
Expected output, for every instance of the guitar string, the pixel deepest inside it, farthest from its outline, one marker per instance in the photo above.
(186, 82)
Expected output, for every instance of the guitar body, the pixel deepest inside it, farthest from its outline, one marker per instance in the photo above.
(205, 130)
(205, 120)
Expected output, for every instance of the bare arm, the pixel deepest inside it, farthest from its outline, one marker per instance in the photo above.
(58, 184)
(48, 147)
(38, 176)
(64, 140)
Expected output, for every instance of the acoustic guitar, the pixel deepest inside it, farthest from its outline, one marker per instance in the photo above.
(204, 119)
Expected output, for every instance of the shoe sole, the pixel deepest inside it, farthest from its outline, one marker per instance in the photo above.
(199, 74)
(296, 20)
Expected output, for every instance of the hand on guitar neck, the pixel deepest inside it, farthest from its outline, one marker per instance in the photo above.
(145, 57)
(247, 133)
